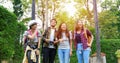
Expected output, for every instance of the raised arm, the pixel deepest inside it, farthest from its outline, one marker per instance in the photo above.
(32, 36)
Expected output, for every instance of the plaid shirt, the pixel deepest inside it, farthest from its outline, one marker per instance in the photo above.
(83, 38)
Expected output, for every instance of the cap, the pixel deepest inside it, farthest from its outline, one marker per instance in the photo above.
(31, 22)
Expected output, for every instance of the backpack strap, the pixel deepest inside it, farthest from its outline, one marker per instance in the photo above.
(29, 31)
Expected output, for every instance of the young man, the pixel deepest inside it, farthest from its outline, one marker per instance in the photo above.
(49, 46)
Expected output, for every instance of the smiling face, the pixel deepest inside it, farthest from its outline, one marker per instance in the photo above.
(53, 23)
(33, 26)
(63, 27)
(80, 24)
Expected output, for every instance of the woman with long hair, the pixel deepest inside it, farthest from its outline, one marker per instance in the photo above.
(82, 41)
(64, 43)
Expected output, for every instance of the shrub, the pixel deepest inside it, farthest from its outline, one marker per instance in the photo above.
(109, 47)
(7, 33)
(19, 51)
(10, 31)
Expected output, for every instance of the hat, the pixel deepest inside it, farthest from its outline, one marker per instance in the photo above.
(31, 22)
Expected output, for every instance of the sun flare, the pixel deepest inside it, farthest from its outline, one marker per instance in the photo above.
(70, 8)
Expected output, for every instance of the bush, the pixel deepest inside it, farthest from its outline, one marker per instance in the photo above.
(10, 31)
(7, 34)
(19, 51)
(109, 47)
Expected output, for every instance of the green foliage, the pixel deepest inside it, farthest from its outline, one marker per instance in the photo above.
(110, 19)
(25, 4)
(109, 47)
(18, 8)
(63, 17)
(84, 11)
(26, 20)
(108, 24)
(118, 24)
(9, 35)
(19, 51)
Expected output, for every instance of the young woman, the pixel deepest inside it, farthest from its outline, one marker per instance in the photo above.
(33, 43)
(83, 41)
(65, 43)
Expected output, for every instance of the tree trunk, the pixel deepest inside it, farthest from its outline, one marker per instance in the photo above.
(33, 9)
(97, 32)
(46, 13)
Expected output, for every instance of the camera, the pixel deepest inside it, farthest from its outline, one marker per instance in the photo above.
(51, 44)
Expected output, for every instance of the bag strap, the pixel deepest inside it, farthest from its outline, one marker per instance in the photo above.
(31, 32)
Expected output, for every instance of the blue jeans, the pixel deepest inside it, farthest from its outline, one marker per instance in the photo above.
(83, 54)
(64, 55)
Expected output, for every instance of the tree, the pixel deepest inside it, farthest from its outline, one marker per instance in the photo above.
(40, 12)
(9, 34)
(109, 19)
(97, 32)
(63, 17)
(18, 8)
(85, 11)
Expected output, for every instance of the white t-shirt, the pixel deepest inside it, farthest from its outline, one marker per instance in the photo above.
(52, 33)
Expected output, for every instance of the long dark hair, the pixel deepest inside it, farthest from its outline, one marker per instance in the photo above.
(59, 33)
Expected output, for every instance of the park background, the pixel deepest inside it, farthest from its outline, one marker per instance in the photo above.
(15, 14)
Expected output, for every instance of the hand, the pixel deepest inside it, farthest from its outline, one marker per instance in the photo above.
(55, 42)
(47, 40)
(61, 40)
(89, 45)
(37, 52)
(70, 53)
(36, 30)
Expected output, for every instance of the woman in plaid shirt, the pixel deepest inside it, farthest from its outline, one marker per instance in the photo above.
(82, 41)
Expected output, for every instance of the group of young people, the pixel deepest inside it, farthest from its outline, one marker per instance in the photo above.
(58, 41)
